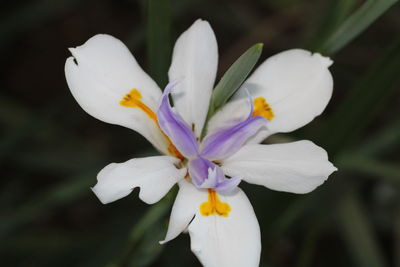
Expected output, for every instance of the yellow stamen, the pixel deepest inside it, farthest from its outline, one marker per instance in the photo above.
(133, 100)
(262, 108)
(214, 206)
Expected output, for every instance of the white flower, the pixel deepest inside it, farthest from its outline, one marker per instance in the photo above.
(289, 90)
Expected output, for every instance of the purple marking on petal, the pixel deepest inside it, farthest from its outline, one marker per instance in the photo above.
(198, 170)
(224, 142)
(175, 127)
(228, 184)
(206, 174)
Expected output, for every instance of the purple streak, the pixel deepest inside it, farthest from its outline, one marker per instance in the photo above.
(175, 127)
(224, 142)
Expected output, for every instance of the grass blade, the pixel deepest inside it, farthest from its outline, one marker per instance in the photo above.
(158, 39)
(358, 233)
(384, 141)
(142, 228)
(336, 12)
(369, 166)
(354, 25)
(57, 196)
(362, 103)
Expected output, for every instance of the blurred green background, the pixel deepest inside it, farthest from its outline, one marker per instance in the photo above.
(51, 150)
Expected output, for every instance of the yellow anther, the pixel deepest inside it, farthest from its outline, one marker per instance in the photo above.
(134, 100)
(214, 206)
(262, 108)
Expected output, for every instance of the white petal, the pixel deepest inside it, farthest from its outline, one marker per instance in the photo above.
(100, 73)
(295, 83)
(186, 204)
(154, 175)
(194, 64)
(297, 167)
(232, 241)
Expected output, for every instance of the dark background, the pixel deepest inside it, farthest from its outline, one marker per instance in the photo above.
(51, 150)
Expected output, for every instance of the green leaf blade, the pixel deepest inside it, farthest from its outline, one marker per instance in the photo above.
(363, 102)
(369, 166)
(233, 79)
(159, 39)
(358, 233)
(235, 76)
(354, 25)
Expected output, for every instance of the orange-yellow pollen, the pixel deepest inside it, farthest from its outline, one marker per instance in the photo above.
(134, 100)
(262, 108)
(214, 206)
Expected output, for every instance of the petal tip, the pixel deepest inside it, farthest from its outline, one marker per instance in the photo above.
(102, 200)
(333, 168)
(202, 26)
(201, 21)
(325, 61)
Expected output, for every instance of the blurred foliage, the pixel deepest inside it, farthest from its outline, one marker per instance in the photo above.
(51, 151)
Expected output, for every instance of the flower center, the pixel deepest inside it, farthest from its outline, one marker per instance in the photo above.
(263, 109)
(214, 206)
(134, 100)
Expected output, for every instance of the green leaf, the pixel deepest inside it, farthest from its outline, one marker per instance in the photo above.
(288, 217)
(363, 102)
(143, 231)
(233, 79)
(358, 233)
(354, 25)
(149, 249)
(390, 171)
(36, 206)
(335, 13)
(15, 137)
(309, 244)
(159, 39)
(382, 142)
